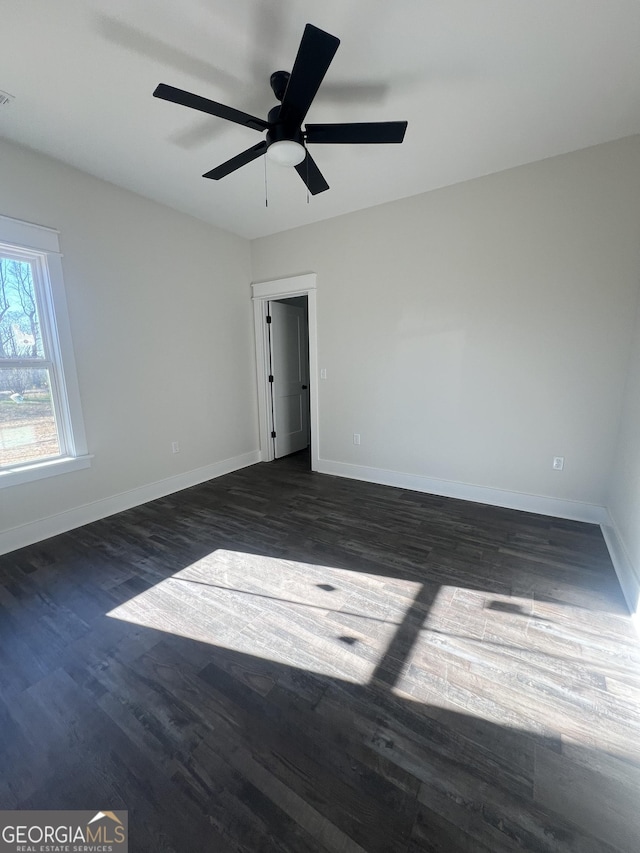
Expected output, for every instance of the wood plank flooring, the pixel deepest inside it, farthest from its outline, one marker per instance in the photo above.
(285, 661)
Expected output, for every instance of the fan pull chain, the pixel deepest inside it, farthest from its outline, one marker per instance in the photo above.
(266, 195)
(306, 157)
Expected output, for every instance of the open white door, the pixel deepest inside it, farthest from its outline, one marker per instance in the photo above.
(289, 368)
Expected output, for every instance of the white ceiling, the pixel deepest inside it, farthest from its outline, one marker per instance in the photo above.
(484, 84)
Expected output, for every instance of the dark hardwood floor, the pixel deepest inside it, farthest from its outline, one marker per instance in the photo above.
(285, 661)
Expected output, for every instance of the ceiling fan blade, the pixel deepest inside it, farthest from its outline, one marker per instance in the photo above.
(357, 133)
(237, 161)
(195, 102)
(311, 175)
(315, 53)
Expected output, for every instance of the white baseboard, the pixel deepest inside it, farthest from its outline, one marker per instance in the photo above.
(628, 574)
(28, 534)
(556, 507)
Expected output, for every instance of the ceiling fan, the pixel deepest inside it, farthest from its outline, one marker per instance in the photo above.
(286, 141)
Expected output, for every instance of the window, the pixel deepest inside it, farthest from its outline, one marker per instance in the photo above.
(41, 431)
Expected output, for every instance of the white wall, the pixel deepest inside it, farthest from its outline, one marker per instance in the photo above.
(472, 333)
(623, 531)
(161, 321)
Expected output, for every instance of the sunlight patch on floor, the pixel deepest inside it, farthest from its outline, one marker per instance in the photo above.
(322, 619)
(526, 663)
(514, 660)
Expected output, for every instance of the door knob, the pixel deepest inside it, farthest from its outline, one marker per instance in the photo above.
(304, 387)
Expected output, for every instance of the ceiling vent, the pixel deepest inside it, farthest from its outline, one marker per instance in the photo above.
(5, 98)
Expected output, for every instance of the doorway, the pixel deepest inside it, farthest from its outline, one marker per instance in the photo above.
(288, 340)
(286, 366)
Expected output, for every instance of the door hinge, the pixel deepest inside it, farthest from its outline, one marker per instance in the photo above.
(271, 377)
(273, 434)
(268, 318)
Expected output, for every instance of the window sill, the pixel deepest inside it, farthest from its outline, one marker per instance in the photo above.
(40, 470)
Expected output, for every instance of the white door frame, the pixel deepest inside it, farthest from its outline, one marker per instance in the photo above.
(284, 288)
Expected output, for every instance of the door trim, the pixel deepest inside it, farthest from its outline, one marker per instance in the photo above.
(262, 292)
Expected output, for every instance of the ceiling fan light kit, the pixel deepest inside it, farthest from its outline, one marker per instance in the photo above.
(286, 152)
(286, 141)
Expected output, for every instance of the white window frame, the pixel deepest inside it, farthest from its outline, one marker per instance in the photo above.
(40, 246)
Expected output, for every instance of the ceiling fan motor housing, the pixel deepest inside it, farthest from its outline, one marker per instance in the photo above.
(279, 131)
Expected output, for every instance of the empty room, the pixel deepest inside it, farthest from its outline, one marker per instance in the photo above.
(319, 418)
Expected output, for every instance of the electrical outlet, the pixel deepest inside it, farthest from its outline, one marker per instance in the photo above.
(356, 438)
(558, 463)
(175, 447)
